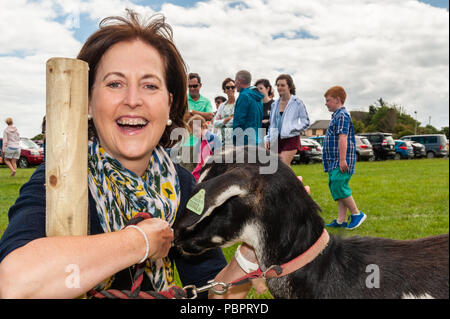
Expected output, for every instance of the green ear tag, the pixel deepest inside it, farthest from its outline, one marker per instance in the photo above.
(197, 202)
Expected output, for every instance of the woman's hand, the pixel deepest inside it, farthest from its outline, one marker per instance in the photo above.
(159, 235)
(227, 119)
(267, 145)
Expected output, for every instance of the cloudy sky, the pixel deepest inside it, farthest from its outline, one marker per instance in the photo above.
(394, 49)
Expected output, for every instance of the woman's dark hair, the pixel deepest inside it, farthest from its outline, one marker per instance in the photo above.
(224, 83)
(266, 84)
(155, 32)
(289, 82)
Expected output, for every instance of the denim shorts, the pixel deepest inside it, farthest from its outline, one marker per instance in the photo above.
(12, 152)
(338, 184)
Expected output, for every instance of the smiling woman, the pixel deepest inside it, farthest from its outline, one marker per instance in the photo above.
(137, 83)
(130, 103)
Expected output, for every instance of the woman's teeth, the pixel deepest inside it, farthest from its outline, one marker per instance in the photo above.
(132, 122)
(131, 125)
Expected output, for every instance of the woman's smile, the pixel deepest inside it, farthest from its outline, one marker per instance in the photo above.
(131, 125)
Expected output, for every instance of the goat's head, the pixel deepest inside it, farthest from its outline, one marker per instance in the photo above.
(235, 202)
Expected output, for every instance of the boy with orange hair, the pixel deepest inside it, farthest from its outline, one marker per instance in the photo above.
(339, 157)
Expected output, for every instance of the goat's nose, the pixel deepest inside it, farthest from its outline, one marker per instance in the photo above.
(177, 234)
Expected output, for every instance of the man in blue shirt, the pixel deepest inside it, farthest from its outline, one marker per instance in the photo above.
(248, 111)
(339, 156)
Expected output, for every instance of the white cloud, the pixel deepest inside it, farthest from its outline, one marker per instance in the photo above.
(33, 32)
(397, 50)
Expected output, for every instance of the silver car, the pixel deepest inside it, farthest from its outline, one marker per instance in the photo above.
(364, 149)
(419, 150)
(310, 152)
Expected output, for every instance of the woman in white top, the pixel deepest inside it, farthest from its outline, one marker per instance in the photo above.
(224, 116)
(11, 146)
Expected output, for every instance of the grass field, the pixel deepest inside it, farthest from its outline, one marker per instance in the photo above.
(404, 199)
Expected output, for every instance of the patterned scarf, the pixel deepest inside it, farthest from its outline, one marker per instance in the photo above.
(119, 194)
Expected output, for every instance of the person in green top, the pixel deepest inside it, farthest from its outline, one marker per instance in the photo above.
(198, 104)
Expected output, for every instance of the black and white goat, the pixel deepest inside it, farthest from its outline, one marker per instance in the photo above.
(274, 214)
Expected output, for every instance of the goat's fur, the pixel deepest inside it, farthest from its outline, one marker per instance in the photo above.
(274, 214)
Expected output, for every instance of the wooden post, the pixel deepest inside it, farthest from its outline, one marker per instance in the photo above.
(66, 147)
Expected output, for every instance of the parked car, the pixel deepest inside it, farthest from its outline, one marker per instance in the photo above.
(318, 139)
(419, 150)
(364, 149)
(403, 150)
(435, 144)
(383, 144)
(310, 152)
(30, 153)
(40, 143)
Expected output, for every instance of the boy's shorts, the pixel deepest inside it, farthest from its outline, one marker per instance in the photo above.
(338, 184)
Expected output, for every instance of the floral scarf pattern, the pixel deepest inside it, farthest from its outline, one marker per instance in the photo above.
(119, 194)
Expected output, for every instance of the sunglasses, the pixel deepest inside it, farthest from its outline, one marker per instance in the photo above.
(230, 87)
(193, 86)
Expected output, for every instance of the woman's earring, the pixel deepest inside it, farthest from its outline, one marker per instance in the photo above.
(89, 117)
(169, 122)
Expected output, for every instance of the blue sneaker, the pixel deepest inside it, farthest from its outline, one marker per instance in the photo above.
(356, 220)
(335, 224)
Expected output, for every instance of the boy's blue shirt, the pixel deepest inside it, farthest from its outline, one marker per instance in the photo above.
(341, 123)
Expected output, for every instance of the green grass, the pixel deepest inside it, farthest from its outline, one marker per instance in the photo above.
(9, 191)
(404, 199)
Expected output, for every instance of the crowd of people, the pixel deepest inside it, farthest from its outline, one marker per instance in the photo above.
(137, 97)
(282, 121)
(254, 117)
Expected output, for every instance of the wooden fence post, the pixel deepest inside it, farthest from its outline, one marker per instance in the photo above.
(66, 147)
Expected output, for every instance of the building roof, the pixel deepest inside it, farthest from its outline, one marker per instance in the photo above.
(320, 124)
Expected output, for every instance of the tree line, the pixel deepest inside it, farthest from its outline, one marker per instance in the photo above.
(391, 118)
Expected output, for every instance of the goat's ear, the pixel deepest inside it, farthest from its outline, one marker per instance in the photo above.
(212, 194)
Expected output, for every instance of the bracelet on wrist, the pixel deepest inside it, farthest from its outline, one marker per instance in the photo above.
(147, 245)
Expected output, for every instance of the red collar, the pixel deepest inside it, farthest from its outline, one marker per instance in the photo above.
(276, 271)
